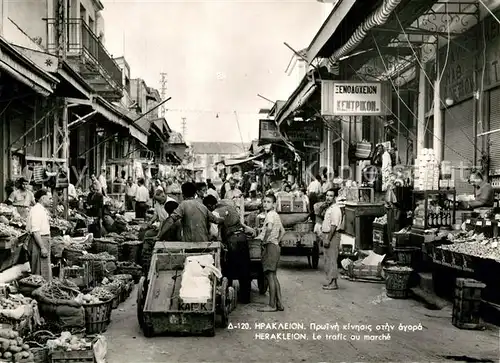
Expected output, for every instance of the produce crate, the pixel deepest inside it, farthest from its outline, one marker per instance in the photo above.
(40, 355)
(466, 304)
(355, 272)
(380, 233)
(71, 255)
(400, 240)
(74, 356)
(78, 275)
(304, 227)
(95, 270)
(299, 206)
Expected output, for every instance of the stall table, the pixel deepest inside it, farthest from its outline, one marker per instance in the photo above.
(359, 218)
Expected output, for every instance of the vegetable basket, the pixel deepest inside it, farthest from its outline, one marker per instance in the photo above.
(40, 354)
(106, 245)
(130, 251)
(27, 288)
(134, 271)
(97, 316)
(71, 255)
(73, 356)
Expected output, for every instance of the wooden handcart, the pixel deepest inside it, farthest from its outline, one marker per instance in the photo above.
(159, 308)
(300, 240)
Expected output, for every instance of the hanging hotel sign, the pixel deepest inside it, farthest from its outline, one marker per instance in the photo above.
(339, 98)
(298, 131)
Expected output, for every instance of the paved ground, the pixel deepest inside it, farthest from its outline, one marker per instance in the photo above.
(363, 305)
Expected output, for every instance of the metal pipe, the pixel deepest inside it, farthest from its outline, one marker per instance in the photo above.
(377, 18)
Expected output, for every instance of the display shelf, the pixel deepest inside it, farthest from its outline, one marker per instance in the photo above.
(442, 201)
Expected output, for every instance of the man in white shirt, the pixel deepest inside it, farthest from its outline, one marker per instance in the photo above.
(233, 192)
(332, 225)
(130, 192)
(103, 181)
(38, 226)
(141, 199)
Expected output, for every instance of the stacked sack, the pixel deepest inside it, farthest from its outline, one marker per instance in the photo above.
(426, 171)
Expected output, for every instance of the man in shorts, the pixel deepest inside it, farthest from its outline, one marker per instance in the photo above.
(271, 235)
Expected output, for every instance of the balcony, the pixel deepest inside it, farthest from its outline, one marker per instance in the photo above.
(89, 57)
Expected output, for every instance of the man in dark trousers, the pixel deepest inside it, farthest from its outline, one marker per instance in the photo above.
(194, 216)
(236, 262)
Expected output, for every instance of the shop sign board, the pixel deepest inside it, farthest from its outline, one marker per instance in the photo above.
(298, 131)
(350, 98)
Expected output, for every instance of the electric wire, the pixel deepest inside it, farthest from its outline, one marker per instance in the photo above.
(407, 107)
(422, 68)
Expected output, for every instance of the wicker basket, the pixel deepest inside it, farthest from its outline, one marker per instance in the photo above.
(396, 282)
(71, 255)
(97, 316)
(135, 271)
(73, 356)
(131, 251)
(40, 355)
(106, 245)
(115, 301)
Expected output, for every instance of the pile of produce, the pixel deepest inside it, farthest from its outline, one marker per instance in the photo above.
(101, 293)
(7, 210)
(60, 223)
(484, 248)
(68, 342)
(90, 299)
(13, 348)
(79, 247)
(114, 287)
(130, 236)
(59, 290)
(134, 228)
(9, 231)
(399, 269)
(102, 256)
(127, 265)
(381, 220)
(122, 277)
(35, 280)
(115, 237)
(14, 301)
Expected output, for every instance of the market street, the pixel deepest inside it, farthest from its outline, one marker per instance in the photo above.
(357, 303)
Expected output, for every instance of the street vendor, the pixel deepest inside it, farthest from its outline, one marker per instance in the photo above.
(130, 193)
(22, 198)
(38, 226)
(195, 217)
(483, 192)
(141, 199)
(233, 191)
(95, 208)
(236, 262)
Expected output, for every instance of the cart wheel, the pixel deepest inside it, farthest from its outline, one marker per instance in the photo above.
(236, 289)
(140, 301)
(224, 303)
(262, 283)
(315, 256)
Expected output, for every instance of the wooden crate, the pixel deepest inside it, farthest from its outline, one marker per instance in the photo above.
(467, 303)
(255, 249)
(365, 272)
(74, 356)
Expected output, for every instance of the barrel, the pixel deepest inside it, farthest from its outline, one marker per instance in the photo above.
(466, 304)
(397, 280)
(406, 256)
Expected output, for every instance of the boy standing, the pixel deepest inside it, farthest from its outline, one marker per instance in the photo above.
(271, 234)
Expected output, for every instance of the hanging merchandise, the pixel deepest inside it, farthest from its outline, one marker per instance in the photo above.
(38, 173)
(377, 155)
(363, 150)
(138, 171)
(148, 172)
(427, 171)
(386, 169)
(16, 166)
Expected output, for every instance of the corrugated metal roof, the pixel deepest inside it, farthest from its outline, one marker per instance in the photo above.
(219, 147)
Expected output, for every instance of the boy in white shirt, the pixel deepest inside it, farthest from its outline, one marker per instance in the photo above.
(271, 235)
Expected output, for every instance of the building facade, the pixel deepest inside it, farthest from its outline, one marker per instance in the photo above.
(207, 154)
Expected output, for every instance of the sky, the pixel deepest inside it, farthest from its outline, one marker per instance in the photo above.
(218, 55)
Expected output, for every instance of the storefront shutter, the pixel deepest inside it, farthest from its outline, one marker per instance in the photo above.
(458, 140)
(495, 137)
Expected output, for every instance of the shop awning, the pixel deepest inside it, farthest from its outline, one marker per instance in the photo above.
(340, 10)
(299, 97)
(233, 162)
(19, 67)
(113, 114)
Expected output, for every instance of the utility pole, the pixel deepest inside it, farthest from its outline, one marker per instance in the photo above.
(163, 91)
(184, 128)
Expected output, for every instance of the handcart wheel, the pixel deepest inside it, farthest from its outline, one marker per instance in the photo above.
(262, 283)
(224, 303)
(315, 256)
(140, 302)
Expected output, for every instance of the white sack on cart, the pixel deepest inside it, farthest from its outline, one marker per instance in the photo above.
(14, 273)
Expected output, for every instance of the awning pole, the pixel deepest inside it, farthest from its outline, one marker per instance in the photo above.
(80, 119)
(31, 128)
(133, 122)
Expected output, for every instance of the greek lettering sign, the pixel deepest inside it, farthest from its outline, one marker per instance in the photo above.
(355, 99)
(298, 131)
